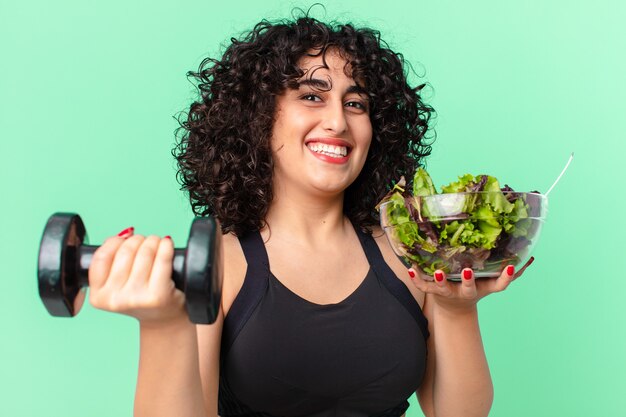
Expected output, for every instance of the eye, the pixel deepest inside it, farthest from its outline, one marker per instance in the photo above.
(310, 97)
(357, 105)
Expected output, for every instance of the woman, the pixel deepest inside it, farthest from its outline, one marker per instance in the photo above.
(300, 129)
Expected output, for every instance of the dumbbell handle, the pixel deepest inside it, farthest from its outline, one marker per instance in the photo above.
(85, 254)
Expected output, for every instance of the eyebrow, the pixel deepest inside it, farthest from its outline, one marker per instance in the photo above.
(325, 86)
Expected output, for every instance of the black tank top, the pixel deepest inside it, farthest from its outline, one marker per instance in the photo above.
(282, 355)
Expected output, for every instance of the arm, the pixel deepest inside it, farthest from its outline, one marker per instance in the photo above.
(131, 275)
(169, 380)
(209, 340)
(234, 269)
(457, 380)
(194, 374)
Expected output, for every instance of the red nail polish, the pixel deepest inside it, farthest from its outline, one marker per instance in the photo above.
(126, 232)
(168, 237)
(510, 270)
(411, 274)
(467, 274)
(439, 276)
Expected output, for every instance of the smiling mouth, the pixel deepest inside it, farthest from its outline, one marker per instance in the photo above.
(333, 151)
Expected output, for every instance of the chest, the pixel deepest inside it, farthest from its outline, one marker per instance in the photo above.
(325, 276)
(358, 357)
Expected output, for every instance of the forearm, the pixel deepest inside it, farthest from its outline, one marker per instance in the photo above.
(462, 382)
(169, 382)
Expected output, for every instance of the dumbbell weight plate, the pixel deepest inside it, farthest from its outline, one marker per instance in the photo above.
(203, 279)
(65, 232)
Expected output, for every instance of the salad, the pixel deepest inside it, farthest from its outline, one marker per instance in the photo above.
(473, 223)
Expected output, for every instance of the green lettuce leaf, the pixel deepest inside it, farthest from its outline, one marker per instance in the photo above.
(423, 184)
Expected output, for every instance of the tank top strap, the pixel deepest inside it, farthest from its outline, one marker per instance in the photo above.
(252, 291)
(395, 286)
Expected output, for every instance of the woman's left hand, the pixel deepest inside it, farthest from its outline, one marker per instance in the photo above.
(463, 295)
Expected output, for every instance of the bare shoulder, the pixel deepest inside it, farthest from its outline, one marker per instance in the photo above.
(395, 264)
(234, 267)
(233, 273)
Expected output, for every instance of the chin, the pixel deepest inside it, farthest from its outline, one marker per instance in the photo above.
(334, 188)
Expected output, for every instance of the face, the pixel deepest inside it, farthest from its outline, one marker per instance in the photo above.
(322, 130)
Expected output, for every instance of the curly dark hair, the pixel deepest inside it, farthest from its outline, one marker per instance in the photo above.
(224, 157)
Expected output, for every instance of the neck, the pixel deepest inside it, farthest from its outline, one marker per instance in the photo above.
(302, 217)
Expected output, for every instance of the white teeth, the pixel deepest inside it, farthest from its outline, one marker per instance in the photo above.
(330, 150)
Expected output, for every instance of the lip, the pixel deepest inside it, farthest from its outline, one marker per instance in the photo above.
(330, 141)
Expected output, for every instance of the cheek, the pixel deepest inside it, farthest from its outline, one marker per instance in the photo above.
(365, 141)
(289, 127)
(364, 134)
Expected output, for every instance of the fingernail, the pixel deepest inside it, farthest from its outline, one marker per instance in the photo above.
(168, 237)
(126, 232)
(439, 276)
(411, 273)
(510, 270)
(467, 274)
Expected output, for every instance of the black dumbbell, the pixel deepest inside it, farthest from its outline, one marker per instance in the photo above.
(64, 259)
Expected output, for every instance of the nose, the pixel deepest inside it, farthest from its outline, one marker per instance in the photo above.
(334, 118)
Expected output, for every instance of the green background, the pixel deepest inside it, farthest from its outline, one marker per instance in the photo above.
(88, 91)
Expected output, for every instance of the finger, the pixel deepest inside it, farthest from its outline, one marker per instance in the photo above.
(444, 287)
(523, 268)
(418, 273)
(468, 284)
(142, 264)
(103, 257)
(421, 281)
(123, 262)
(427, 284)
(502, 282)
(161, 275)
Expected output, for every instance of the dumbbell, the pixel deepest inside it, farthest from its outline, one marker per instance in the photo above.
(64, 259)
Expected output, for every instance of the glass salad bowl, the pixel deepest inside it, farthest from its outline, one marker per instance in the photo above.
(482, 230)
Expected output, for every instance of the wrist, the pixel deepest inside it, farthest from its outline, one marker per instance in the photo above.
(456, 310)
(171, 324)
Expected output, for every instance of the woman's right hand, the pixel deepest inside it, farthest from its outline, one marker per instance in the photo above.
(132, 275)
